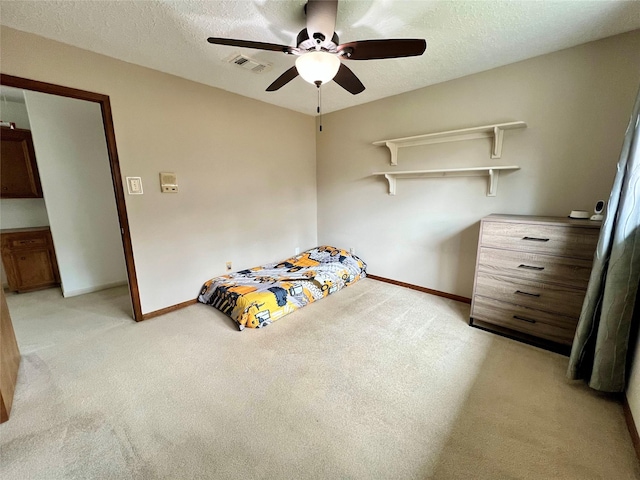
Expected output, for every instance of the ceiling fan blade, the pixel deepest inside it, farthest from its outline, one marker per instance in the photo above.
(283, 79)
(249, 44)
(321, 19)
(378, 49)
(348, 80)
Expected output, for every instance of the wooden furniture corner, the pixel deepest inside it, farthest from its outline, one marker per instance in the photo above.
(9, 361)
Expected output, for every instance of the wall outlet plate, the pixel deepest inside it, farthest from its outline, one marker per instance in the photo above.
(169, 188)
(134, 185)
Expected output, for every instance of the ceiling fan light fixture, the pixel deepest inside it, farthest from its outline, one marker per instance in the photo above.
(316, 67)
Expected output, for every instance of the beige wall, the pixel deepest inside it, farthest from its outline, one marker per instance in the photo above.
(246, 169)
(576, 103)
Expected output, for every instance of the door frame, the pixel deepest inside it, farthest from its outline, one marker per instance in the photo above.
(116, 176)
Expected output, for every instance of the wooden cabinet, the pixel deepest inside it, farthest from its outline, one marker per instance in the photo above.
(532, 275)
(19, 176)
(9, 360)
(29, 259)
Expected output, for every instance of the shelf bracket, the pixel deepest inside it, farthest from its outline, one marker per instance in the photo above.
(392, 183)
(498, 135)
(393, 148)
(493, 182)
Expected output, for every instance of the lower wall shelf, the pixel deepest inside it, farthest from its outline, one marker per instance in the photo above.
(492, 172)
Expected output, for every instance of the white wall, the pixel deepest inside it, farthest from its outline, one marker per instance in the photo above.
(71, 152)
(246, 169)
(15, 112)
(576, 103)
(23, 212)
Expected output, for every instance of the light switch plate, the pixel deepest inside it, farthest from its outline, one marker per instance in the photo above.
(134, 185)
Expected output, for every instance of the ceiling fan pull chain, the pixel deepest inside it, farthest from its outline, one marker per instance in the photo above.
(319, 103)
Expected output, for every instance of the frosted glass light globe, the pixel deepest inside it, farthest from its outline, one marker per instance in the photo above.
(317, 66)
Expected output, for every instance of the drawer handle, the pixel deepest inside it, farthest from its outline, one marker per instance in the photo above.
(520, 292)
(535, 239)
(530, 267)
(524, 319)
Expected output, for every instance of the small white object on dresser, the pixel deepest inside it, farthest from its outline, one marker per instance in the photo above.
(532, 274)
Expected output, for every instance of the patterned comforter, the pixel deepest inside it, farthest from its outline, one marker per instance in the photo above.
(259, 296)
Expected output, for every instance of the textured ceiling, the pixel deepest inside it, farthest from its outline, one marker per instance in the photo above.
(463, 37)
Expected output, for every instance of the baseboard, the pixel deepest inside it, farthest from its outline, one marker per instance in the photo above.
(430, 291)
(631, 425)
(458, 298)
(97, 288)
(162, 311)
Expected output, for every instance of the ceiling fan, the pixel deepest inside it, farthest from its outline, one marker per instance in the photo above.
(320, 54)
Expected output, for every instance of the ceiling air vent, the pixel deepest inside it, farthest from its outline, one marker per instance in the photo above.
(247, 63)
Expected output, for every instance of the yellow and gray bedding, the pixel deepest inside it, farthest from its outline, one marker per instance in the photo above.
(259, 296)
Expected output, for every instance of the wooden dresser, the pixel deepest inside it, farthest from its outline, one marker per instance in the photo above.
(532, 275)
(29, 258)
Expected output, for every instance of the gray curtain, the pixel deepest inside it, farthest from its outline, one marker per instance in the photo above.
(600, 347)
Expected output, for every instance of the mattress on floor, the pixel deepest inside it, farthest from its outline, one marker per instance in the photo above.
(259, 296)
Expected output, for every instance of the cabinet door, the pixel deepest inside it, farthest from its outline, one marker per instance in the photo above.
(33, 269)
(18, 171)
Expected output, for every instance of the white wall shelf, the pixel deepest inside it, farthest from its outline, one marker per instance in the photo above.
(495, 131)
(492, 172)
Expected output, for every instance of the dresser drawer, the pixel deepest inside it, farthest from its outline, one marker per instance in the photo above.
(563, 241)
(556, 328)
(29, 242)
(541, 296)
(571, 272)
(22, 240)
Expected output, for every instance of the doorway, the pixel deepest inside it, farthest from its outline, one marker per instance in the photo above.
(111, 157)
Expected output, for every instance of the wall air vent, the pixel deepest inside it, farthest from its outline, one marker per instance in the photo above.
(247, 63)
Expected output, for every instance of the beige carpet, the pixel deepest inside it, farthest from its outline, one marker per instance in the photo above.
(374, 382)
